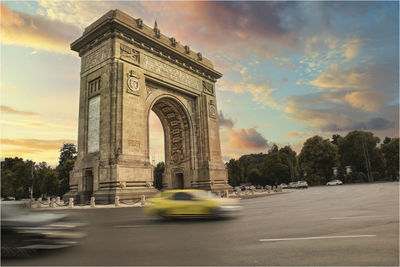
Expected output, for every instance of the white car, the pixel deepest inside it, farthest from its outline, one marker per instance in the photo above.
(334, 182)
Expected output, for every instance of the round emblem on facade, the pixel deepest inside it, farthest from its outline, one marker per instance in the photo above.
(213, 111)
(133, 84)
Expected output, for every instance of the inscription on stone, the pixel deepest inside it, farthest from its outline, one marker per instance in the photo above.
(170, 72)
(96, 57)
(134, 143)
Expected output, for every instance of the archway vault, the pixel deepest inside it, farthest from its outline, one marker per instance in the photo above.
(176, 129)
(127, 70)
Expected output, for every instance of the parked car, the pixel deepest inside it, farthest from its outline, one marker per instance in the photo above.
(302, 184)
(292, 185)
(25, 232)
(334, 182)
(191, 203)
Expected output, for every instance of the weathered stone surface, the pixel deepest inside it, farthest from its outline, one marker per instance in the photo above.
(127, 70)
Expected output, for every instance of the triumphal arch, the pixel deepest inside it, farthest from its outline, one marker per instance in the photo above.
(127, 70)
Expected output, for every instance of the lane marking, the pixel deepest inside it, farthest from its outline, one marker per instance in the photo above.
(314, 237)
(353, 217)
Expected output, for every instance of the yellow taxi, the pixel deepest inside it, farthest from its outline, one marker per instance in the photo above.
(191, 203)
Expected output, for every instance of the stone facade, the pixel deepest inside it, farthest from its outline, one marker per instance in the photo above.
(128, 69)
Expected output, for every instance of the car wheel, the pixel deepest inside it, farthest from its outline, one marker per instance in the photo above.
(216, 213)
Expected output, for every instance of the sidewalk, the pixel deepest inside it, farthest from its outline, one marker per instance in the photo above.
(249, 194)
(138, 204)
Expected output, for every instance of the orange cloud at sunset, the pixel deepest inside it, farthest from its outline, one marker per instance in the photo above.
(338, 79)
(292, 134)
(37, 32)
(247, 139)
(47, 150)
(10, 110)
(366, 101)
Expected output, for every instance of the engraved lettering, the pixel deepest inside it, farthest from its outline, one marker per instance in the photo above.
(170, 72)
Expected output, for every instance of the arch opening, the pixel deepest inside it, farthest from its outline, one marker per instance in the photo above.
(176, 128)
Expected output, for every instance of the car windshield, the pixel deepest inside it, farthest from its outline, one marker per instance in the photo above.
(203, 194)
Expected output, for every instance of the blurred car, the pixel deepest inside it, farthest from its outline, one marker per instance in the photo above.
(25, 232)
(191, 203)
(334, 182)
(292, 185)
(302, 184)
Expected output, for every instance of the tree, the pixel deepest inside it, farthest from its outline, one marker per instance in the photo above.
(248, 163)
(275, 169)
(390, 150)
(235, 172)
(158, 173)
(289, 157)
(16, 177)
(46, 181)
(317, 158)
(66, 163)
(336, 138)
(359, 150)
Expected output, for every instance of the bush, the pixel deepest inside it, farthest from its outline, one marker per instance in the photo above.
(361, 178)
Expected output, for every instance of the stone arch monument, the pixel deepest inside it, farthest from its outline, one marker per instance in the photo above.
(128, 69)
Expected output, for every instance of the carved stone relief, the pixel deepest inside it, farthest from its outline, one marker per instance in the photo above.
(177, 128)
(133, 82)
(208, 88)
(212, 109)
(130, 54)
(94, 125)
(96, 57)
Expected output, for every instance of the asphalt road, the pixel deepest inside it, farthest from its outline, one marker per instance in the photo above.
(338, 225)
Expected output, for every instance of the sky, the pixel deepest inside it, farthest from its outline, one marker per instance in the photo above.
(291, 70)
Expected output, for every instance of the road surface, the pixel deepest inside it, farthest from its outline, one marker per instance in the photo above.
(339, 225)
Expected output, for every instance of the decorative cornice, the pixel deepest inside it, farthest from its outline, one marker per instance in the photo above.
(116, 24)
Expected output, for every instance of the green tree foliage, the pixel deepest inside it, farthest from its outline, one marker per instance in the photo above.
(158, 174)
(317, 158)
(390, 150)
(66, 163)
(358, 148)
(290, 159)
(336, 138)
(235, 172)
(275, 168)
(46, 181)
(16, 177)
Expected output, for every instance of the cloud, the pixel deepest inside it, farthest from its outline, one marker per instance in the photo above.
(39, 124)
(366, 101)
(351, 49)
(247, 139)
(292, 134)
(10, 88)
(335, 78)
(371, 125)
(225, 122)
(37, 32)
(11, 111)
(317, 112)
(36, 144)
(263, 94)
(238, 27)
